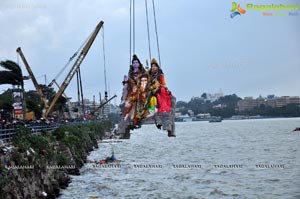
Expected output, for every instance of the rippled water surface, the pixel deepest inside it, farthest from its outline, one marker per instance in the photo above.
(265, 154)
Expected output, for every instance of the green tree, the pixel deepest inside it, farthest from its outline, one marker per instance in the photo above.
(12, 75)
(6, 104)
(198, 105)
(34, 103)
(204, 95)
(61, 105)
(47, 91)
(181, 104)
(228, 100)
(290, 110)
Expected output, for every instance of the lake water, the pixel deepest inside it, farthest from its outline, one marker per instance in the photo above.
(232, 159)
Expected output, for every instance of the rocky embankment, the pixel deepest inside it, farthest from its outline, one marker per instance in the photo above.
(38, 166)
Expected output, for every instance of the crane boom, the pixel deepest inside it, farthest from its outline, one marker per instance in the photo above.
(55, 82)
(35, 83)
(74, 68)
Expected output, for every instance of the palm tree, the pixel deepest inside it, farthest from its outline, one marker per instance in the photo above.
(12, 75)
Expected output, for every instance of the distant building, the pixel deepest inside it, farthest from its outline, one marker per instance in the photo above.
(214, 96)
(249, 103)
(203, 116)
(93, 107)
(294, 100)
(108, 109)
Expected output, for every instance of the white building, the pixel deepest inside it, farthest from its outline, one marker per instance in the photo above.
(214, 96)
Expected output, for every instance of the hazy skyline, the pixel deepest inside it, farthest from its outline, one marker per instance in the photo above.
(202, 48)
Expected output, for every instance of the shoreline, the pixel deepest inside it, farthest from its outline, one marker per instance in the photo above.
(40, 166)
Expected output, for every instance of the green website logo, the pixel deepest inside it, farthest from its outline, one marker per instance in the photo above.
(266, 9)
(236, 10)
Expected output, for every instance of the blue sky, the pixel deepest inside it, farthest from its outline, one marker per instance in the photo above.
(202, 48)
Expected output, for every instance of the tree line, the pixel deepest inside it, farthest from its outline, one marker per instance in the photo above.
(226, 107)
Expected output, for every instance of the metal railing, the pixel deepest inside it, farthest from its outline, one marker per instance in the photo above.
(6, 134)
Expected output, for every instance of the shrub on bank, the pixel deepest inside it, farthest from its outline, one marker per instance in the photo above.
(48, 148)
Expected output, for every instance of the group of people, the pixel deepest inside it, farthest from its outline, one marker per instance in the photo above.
(144, 92)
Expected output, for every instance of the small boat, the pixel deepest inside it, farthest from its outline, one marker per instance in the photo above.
(108, 159)
(297, 129)
(104, 161)
(215, 119)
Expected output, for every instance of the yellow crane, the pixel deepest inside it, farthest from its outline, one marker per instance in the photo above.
(74, 68)
(35, 83)
(48, 108)
(55, 82)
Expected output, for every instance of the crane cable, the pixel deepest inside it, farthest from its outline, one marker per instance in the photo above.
(156, 31)
(131, 30)
(149, 42)
(133, 26)
(154, 15)
(70, 60)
